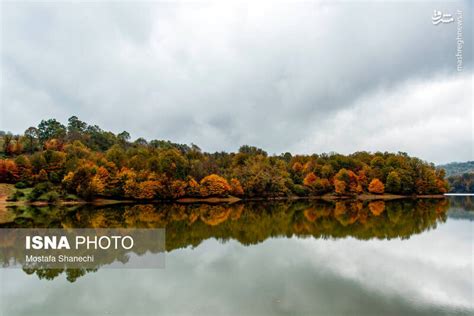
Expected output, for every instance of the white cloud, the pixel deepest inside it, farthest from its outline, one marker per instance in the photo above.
(430, 119)
(222, 75)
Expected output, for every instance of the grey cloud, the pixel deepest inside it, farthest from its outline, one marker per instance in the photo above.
(217, 75)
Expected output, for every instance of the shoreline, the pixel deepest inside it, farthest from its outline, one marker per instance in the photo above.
(227, 200)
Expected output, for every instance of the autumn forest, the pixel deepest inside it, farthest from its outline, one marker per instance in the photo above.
(79, 161)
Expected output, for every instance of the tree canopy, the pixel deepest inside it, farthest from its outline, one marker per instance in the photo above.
(85, 160)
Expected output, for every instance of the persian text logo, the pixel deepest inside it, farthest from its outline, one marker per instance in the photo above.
(439, 17)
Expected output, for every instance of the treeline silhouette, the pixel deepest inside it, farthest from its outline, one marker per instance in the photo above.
(86, 161)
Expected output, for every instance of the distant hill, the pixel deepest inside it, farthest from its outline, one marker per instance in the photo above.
(458, 168)
(460, 176)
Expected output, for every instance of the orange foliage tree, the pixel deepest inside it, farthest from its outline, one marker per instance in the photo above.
(24, 167)
(94, 162)
(318, 185)
(442, 186)
(214, 185)
(350, 181)
(377, 207)
(235, 187)
(8, 171)
(376, 186)
(192, 189)
(310, 179)
(297, 167)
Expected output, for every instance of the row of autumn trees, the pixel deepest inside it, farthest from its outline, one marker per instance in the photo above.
(87, 161)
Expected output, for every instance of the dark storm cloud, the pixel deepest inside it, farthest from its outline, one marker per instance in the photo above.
(221, 75)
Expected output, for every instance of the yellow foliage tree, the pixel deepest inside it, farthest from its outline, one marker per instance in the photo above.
(67, 181)
(42, 176)
(96, 185)
(130, 188)
(148, 189)
(178, 188)
(53, 144)
(339, 186)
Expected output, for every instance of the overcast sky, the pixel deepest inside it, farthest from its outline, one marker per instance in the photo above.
(302, 77)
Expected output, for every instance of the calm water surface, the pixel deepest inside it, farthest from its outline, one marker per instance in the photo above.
(412, 257)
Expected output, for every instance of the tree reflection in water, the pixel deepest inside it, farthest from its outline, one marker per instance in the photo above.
(249, 223)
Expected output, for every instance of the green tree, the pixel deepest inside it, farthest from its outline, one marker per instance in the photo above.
(393, 183)
(31, 136)
(75, 128)
(123, 137)
(7, 143)
(50, 129)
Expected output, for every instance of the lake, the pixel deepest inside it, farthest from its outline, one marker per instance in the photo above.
(406, 257)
